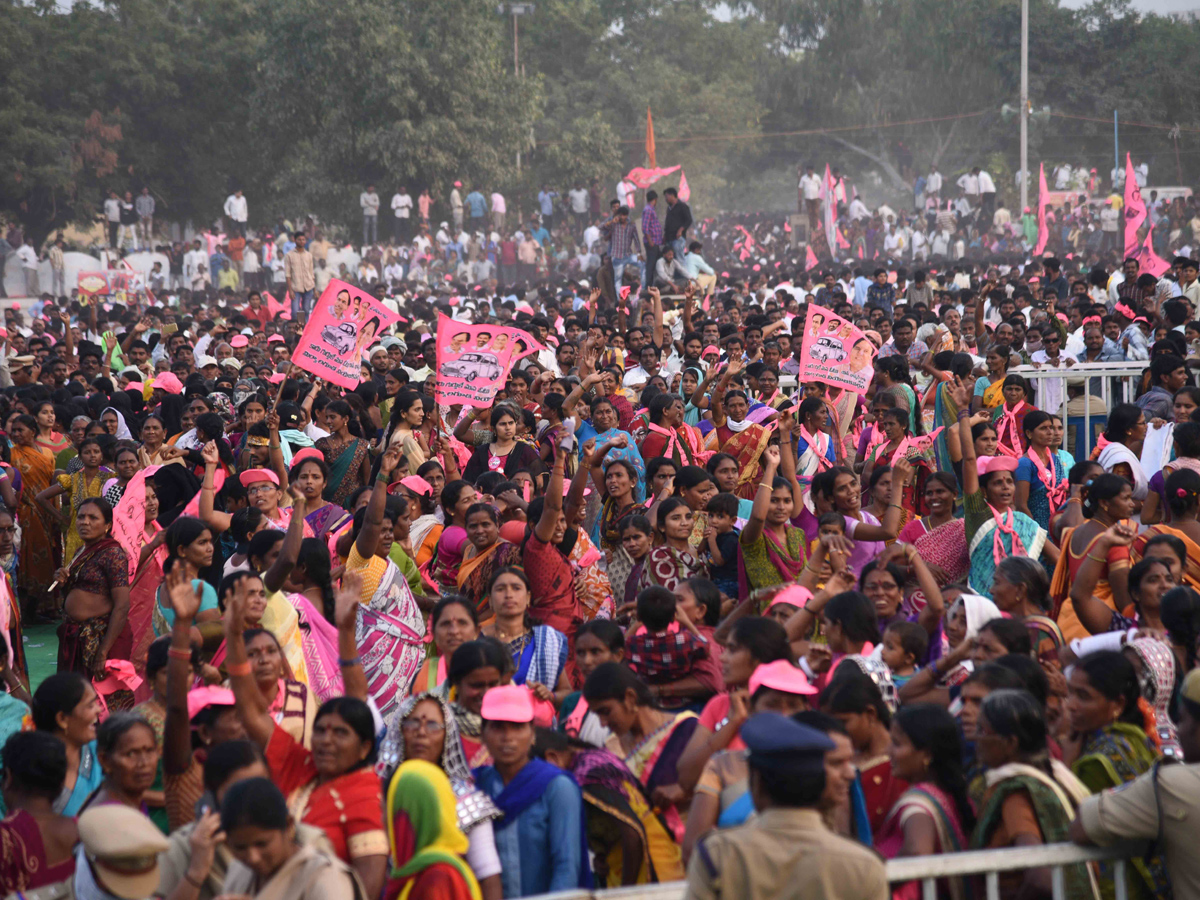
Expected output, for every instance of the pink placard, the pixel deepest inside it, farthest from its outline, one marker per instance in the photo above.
(129, 517)
(473, 361)
(836, 353)
(344, 323)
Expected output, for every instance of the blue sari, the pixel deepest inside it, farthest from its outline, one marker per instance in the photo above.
(629, 453)
(89, 778)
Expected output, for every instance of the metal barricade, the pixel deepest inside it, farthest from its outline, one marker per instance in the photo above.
(929, 869)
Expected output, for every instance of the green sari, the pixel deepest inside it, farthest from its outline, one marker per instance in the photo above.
(344, 460)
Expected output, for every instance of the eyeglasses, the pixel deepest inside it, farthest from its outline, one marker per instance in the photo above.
(260, 489)
(429, 726)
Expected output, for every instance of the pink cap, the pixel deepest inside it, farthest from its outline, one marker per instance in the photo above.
(781, 676)
(169, 383)
(418, 485)
(794, 595)
(507, 703)
(135, 386)
(307, 453)
(250, 476)
(275, 338)
(239, 340)
(458, 184)
(988, 464)
(712, 348)
(120, 676)
(202, 698)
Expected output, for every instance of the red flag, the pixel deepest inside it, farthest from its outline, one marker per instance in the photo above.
(1135, 218)
(810, 258)
(685, 190)
(651, 159)
(1043, 203)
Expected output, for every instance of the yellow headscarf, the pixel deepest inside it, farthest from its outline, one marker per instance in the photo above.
(422, 808)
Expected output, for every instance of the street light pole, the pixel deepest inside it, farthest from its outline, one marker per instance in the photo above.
(516, 69)
(1024, 105)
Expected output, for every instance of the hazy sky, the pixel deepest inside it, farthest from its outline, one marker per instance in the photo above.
(1154, 6)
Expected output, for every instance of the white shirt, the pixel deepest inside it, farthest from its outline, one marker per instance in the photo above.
(893, 242)
(591, 234)
(112, 209)
(249, 261)
(627, 193)
(986, 185)
(858, 209)
(933, 183)
(579, 200)
(637, 375)
(236, 207)
(402, 205)
(28, 256)
(394, 273)
(369, 203)
(1062, 177)
(498, 204)
(191, 260)
(811, 186)
(969, 183)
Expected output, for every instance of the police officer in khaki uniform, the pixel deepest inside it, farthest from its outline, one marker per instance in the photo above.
(1166, 801)
(117, 858)
(785, 852)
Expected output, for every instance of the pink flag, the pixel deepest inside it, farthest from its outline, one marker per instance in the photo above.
(835, 352)
(344, 323)
(810, 258)
(830, 197)
(1135, 217)
(685, 190)
(841, 240)
(129, 518)
(643, 178)
(277, 309)
(1043, 203)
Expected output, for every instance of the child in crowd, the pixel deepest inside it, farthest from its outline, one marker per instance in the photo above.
(903, 644)
(666, 645)
(721, 542)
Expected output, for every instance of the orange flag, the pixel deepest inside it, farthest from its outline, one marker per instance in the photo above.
(652, 162)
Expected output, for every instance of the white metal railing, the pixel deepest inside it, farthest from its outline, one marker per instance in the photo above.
(928, 869)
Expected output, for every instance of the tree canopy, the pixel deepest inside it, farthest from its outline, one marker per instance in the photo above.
(302, 104)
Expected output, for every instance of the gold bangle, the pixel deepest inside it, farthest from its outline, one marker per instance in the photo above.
(1099, 559)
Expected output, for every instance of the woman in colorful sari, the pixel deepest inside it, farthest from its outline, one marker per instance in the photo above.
(95, 625)
(605, 420)
(696, 487)
(610, 389)
(722, 798)
(457, 498)
(1108, 746)
(310, 473)
(539, 652)
(424, 514)
(628, 842)
(668, 436)
(47, 437)
(36, 465)
(649, 740)
(940, 536)
(1106, 501)
(36, 843)
(619, 475)
(475, 667)
(1021, 590)
(1031, 797)
(407, 415)
(989, 388)
(1040, 475)
(485, 555)
(1183, 502)
(816, 451)
(84, 484)
(188, 543)
(391, 626)
(1009, 417)
(672, 560)
(934, 815)
(333, 786)
(898, 444)
(424, 729)
(771, 549)
(946, 367)
(346, 454)
(452, 623)
(66, 706)
(1121, 448)
(993, 528)
(427, 845)
(740, 437)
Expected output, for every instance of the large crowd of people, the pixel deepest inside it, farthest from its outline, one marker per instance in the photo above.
(665, 609)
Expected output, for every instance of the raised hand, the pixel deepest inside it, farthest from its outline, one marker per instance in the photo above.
(389, 461)
(185, 599)
(209, 454)
(771, 454)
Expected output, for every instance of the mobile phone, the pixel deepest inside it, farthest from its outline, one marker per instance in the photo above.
(170, 328)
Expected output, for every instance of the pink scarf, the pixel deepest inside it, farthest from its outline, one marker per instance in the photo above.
(814, 442)
(1056, 492)
(1005, 524)
(1008, 425)
(673, 442)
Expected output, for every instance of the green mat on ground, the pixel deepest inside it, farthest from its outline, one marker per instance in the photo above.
(41, 652)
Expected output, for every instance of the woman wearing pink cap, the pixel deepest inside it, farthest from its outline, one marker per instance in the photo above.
(722, 797)
(994, 528)
(541, 838)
